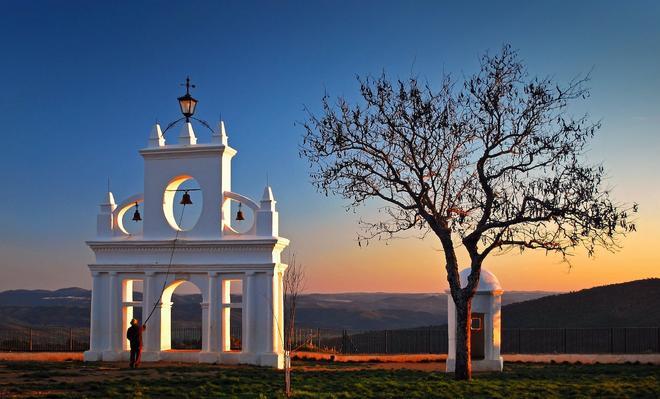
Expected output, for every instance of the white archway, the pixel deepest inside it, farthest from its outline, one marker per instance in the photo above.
(166, 312)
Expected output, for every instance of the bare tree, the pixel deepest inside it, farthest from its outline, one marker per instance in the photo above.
(294, 284)
(489, 164)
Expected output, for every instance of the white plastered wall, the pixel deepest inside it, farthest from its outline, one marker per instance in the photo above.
(204, 256)
(489, 303)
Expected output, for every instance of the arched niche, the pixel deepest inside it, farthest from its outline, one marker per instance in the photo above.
(249, 209)
(182, 218)
(123, 208)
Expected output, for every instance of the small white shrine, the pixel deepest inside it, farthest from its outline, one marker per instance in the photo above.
(211, 255)
(485, 324)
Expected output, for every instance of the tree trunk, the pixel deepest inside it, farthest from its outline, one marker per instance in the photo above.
(463, 362)
(287, 373)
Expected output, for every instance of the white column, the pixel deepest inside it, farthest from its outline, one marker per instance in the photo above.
(165, 311)
(96, 342)
(206, 327)
(279, 299)
(127, 311)
(248, 312)
(214, 309)
(150, 297)
(271, 306)
(225, 343)
(496, 305)
(115, 332)
(261, 313)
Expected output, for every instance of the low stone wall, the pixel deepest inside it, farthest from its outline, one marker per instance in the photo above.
(653, 358)
(533, 358)
(556, 358)
(40, 356)
(401, 358)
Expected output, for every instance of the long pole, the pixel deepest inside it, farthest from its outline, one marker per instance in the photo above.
(169, 266)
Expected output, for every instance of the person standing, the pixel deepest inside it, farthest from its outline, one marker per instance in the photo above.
(134, 336)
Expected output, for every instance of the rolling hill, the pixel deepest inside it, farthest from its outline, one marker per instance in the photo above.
(631, 304)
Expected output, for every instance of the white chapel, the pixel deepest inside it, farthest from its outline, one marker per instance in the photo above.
(212, 255)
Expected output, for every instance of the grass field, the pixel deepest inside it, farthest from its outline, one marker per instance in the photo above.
(324, 380)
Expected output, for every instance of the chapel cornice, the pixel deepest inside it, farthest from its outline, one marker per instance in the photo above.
(197, 150)
(177, 269)
(182, 245)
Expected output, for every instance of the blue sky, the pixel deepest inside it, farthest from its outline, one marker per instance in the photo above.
(82, 83)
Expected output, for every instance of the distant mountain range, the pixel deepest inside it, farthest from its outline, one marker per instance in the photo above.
(628, 304)
(378, 311)
(356, 311)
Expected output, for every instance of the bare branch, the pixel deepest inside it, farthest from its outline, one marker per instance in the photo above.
(494, 162)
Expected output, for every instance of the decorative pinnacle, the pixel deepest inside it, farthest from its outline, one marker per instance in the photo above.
(220, 135)
(268, 200)
(156, 138)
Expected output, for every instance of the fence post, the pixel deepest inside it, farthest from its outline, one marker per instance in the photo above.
(30, 339)
(519, 341)
(429, 339)
(625, 339)
(70, 339)
(611, 340)
(564, 340)
(344, 342)
(318, 336)
(386, 341)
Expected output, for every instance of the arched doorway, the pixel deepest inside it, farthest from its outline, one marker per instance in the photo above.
(181, 317)
(131, 305)
(231, 311)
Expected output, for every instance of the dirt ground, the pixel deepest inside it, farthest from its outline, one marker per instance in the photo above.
(73, 372)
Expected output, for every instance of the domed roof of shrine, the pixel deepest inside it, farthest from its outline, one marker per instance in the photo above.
(487, 281)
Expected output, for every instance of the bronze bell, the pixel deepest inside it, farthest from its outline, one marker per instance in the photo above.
(136, 215)
(239, 214)
(185, 200)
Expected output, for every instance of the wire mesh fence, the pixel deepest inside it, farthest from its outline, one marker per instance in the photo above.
(187, 338)
(190, 338)
(428, 340)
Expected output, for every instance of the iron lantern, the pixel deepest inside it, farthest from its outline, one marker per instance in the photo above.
(186, 102)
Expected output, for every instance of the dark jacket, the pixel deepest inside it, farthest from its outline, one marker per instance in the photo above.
(134, 335)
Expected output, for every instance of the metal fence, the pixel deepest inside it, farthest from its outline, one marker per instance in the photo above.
(420, 340)
(44, 339)
(191, 338)
(187, 338)
(432, 340)
(581, 340)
